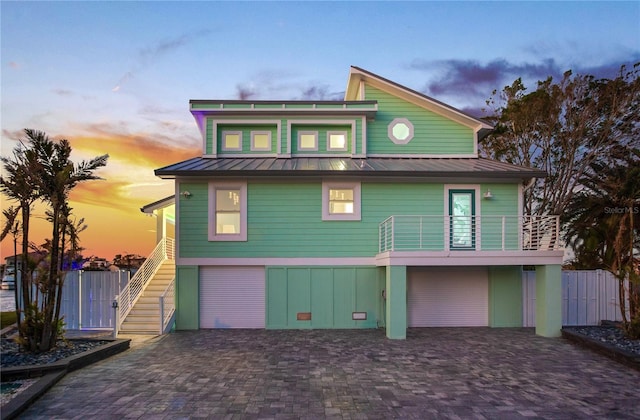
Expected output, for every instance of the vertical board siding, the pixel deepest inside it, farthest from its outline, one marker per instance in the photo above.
(331, 295)
(588, 297)
(433, 134)
(285, 220)
(87, 297)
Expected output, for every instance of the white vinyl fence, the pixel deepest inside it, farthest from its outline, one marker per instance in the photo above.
(87, 297)
(588, 297)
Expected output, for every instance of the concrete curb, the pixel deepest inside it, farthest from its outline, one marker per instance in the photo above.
(621, 356)
(50, 374)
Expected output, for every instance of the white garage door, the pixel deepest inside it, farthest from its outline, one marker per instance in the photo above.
(444, 297)
(232, 297)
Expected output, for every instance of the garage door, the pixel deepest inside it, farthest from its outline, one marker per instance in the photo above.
(232, 297)
(443, 297)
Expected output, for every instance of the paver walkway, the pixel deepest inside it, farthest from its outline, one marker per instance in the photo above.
(435, 373)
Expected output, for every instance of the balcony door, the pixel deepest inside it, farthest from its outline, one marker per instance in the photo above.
(462, 221)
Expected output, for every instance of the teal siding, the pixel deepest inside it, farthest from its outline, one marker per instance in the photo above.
(503, 203)
(433, 134)
(285, 220)
(331, 295)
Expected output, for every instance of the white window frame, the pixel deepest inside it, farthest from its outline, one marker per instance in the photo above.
(224, 141)
(227, 237)
(336, 149)
(395, 122)
(254, 148)
(355, 186)
(307, 149)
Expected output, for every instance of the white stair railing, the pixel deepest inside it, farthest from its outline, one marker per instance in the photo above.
(134, 289)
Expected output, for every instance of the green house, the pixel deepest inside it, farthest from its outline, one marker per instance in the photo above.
(371, 212)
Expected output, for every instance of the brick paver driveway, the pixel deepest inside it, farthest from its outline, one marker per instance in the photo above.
(438, 372)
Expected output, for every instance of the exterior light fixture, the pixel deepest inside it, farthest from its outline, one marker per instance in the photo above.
(186, 194)
(488, 195)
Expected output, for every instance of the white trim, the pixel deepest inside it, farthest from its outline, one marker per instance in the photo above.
(392, 136)
(178, 209)
(468, 258)
(475, 141)
(520, 199)
(277, 261)
(226, 133)
(344, 133)
(307, 133)
(363, 141)
(269, 148)
(225, 237)
(477, 202)
(355, 186)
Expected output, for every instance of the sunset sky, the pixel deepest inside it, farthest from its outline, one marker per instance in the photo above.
(117, 77)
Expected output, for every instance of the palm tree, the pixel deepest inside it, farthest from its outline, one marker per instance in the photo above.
(18, 186)
(58, 175)
(12, 226)
(603, 222)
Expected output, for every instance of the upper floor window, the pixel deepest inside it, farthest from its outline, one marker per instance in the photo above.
(261, 141)
(228, 211)
(308, 140)
(232, 140)
(341, 201)
(336, 140)
(400, 131)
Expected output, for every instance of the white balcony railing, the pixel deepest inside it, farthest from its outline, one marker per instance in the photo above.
(479, 233)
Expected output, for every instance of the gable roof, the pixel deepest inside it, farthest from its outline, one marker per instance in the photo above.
(160, 204)
(358, 75)
(477, 168)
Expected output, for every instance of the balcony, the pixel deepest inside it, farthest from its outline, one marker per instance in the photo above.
(469, 240)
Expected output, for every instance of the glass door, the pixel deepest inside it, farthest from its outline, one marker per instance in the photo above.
(462, 222)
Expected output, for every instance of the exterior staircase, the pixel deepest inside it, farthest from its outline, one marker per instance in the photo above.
(144, 317)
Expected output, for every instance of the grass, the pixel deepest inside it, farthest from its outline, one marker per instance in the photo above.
(7, 318)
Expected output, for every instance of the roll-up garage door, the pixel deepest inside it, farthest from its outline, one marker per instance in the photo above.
(232, 297)
(448, 297)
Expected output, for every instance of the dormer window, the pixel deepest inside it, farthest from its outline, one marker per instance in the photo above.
(337, 140)
(232, 140)
(260, 141)
(308, 141)
(400, 131)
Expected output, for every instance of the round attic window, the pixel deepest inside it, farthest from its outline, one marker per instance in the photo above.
(400, 131)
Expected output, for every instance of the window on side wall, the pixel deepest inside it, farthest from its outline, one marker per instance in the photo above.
(308, 141)
(228, 211)
(337, 141)
(232, 141)
(340, 201)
